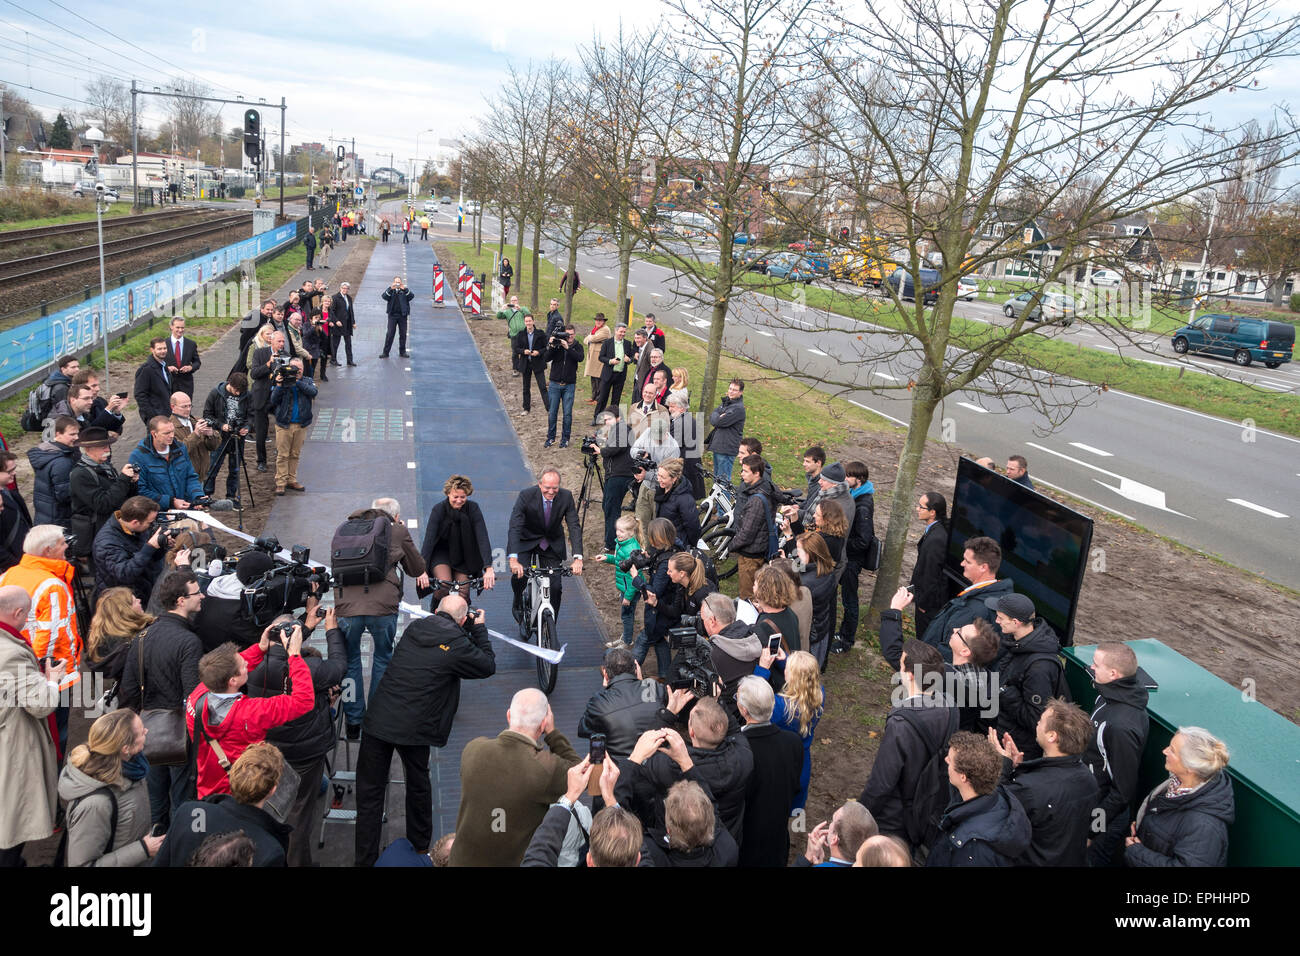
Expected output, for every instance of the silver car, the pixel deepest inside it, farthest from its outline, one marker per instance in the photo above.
(1054, 306)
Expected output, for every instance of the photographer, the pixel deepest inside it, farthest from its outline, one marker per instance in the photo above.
(614, 444)
(653, 446)
(128, 550)
(196, 435)
(226, 411)
(654, 583)
(97, 489)
(735, 648)
(565, 354)
(262, 361)
(225, 616)
(291, 396)
(305, 741)
(686, 599)
(166, 474)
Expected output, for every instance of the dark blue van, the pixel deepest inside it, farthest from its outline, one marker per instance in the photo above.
(1239, 337)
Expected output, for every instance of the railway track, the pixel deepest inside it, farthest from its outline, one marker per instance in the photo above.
(14, 239)
(18, 272)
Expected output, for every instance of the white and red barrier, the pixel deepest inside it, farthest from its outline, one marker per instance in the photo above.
(461, 272)
(476, 297)
(437, 285)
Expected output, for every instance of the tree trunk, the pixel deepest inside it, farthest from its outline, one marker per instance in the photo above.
(537, 266)
(575, 233)
(501, 233)
(721, 287)
(901, 511)
(625, 242)
(519, 252)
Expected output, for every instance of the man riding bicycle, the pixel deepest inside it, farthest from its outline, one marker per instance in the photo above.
(536, 532)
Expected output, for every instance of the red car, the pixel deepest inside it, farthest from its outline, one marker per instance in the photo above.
(798, 246)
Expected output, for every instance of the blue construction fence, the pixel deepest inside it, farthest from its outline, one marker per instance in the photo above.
(34, 346)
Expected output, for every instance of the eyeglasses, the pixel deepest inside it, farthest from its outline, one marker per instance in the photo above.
(956, 632)
(198, 593)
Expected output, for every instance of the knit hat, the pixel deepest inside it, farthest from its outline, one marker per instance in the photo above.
(252, 566)
(833, 472)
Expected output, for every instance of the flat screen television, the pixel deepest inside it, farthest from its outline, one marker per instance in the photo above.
(1044, 543)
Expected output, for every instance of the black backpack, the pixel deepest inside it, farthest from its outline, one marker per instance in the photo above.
(710, 569)
(930, 799)
(359, 551)
(61, 853)
(40, 402)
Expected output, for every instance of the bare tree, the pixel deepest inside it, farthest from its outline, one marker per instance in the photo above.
(191, 118)
(1006, 130)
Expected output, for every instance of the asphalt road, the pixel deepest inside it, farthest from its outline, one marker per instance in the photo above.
(1207, 482)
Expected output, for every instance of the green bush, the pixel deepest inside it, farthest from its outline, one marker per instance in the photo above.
(17, 205)
(1295, 303)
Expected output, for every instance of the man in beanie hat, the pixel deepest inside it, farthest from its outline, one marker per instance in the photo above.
(97, 489)
(1029, 670)
(223, 616)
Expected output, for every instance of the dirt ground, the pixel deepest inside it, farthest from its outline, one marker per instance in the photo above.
(1231, 623)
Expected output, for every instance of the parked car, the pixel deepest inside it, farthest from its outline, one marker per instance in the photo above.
(430, 205)
(87, 188)
(901, 281)
(791, 267)
(1107, 277)
(797, 246)
(471, 207)
(742, 238)
(1055, 306)
(446, 200)
(750, 258)
(967, 288)
(1239, 337)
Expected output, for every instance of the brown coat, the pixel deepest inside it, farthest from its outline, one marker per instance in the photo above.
(28, 769)
(592, 342)
(198, 447)
(379, 600)
(507, 783)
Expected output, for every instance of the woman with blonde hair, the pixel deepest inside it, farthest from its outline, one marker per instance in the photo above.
(456, 545)
(103, 784)
(1184, 821)
(799, 705)
(681, 379)
(262, 340)
(819, 577)
(119, 620)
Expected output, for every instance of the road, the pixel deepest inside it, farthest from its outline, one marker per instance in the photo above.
(1206, 482)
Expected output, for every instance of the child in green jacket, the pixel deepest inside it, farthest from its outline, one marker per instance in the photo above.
(628, 532)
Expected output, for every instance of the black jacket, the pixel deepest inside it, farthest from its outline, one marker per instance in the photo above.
(216, 408)
(607, 352)
(436, 528)
(183, 381)
(260, 373)
(528, 526)
(677, 504)
(341, 310)
(565, 362)
(1191, 830)
(52, 463)
(756, 512)
(98, 490)
(991, 830)
(930, 586)
(305, 739)
(770, 794)
(623, 711)
(127, 560)
(171, 666)
(399, 301)
(222, 813)
(728, 421)
(724, 771)
(418, 695)
(1115, 753)
(617, 452)
(863, 530)
(1030, 676)
(531, 363)
(960, 611)
(15, 522)
(914, 729)
(823, 590)
(223, 616)
(1058, 794)
(153, 390)
(686, 432)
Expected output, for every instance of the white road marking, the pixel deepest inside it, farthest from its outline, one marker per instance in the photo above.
(873, 411)
(770, 335)
(818, 352)
(1095, 451)
(1095, 504)
(700, 323)
(886, 375)
(410, 465)
(657, 295)
(413, 523)
(1260, 508)
(1128, 488)
(610, 278)
(631, 286)
(974, 408)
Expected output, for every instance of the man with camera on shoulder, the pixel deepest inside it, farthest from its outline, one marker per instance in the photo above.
(129, 548)
(565, 354)
(226, 615)
(614, 445)
(261, 364)
(226, 411)
(411, 711)
(291, 397)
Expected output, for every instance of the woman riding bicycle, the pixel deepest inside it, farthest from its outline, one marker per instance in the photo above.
(456, 545)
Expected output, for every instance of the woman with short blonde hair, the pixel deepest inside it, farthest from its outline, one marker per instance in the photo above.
(456, 545)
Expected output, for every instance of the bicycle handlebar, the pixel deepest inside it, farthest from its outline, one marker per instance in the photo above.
(535, 572)
(456, 587)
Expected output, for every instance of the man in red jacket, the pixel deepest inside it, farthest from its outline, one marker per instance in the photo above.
(231, 721)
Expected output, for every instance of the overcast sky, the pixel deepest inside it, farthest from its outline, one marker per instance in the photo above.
(377, 73)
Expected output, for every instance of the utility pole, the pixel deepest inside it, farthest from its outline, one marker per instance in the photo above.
(356, 175)
(135, 160)
(282, 163)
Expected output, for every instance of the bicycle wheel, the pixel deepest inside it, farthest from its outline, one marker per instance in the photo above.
(546, 671)
(717, 543)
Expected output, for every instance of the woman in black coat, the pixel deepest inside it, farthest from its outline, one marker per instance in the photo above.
(456, 546)
(505, 276)
(675, 501)
(1184, 821)
(820, 579)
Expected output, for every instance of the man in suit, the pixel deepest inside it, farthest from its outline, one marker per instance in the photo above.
(198, 437)
(929, 586)
(182, 358)
(530, 357)
(536, 531)
(771, 789)
(398, 297)
(615, 356)
(342, 322)
(260, 372)
(153, 383)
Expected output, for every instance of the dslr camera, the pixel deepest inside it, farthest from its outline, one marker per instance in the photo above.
(638, 559)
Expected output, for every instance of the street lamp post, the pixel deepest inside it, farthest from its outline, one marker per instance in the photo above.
(411, 191)
(96, 136)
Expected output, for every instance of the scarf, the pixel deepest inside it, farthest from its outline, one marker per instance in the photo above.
(136, 768)
(462, 545)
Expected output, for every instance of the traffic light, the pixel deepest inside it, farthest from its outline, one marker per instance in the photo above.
(253, 135)
(699, 181)
(844, 234)
(663, 177)
(342, 154)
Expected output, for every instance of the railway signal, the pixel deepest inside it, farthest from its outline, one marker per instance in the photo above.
(253, 135)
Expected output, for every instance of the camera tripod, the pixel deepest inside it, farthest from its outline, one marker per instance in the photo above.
(591, 468)
(222, 452)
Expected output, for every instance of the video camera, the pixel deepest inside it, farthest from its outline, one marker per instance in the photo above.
(286, 586)
(282, 373)
(590, 445)
(643, 462)
(693, 660)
